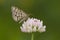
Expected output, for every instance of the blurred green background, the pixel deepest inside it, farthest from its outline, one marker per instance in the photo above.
(46, 10)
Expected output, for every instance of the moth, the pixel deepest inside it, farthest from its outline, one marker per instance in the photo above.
(18, 15)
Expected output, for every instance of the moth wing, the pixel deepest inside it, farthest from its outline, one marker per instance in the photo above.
(18, 15)
(14, 10)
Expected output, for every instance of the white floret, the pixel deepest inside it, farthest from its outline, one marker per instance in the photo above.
(33, 25)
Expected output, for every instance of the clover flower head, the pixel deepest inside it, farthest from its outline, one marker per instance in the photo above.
(32, 25)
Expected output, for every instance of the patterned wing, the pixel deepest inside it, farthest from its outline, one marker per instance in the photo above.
(18, 15)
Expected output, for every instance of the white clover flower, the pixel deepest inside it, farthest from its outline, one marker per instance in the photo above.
(33, 25)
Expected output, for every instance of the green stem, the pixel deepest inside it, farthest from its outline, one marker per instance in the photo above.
(32, 37)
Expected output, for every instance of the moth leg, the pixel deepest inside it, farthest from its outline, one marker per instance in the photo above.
(22, 20)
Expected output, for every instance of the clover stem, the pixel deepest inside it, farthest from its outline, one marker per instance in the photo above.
(32, 37)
